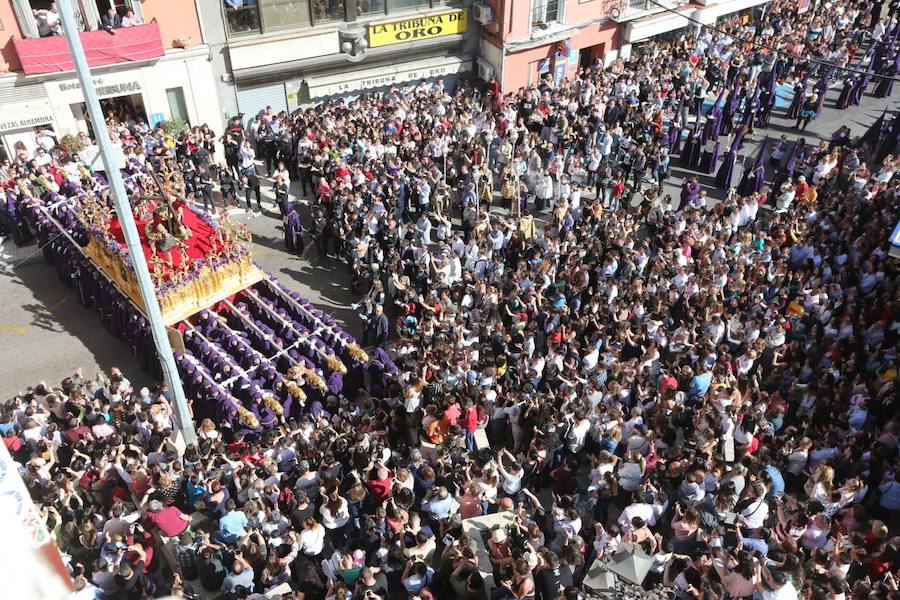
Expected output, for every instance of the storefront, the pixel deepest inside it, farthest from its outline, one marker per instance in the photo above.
(666, 25)
(317, 65)
(173, 87)
(19, 123)
(317, 88)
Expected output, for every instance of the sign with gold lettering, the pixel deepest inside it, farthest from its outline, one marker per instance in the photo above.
(418, 28)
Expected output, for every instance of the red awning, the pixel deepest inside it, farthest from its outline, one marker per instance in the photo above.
(129, 44)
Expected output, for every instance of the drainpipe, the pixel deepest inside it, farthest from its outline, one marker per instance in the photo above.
(200, 20)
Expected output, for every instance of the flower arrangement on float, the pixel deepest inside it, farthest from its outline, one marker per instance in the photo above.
(272, 404)
(295, 391)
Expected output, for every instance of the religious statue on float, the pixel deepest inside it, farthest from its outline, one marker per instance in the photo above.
(159, 237)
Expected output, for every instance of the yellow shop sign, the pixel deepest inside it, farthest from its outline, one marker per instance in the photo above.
(418, 28)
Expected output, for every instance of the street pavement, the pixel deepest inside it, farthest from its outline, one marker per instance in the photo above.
(45, 333)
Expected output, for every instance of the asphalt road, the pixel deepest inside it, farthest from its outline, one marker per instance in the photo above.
(45, 333)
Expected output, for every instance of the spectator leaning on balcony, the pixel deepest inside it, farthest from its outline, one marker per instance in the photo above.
(48, 22)
(130, 20)
(111, 20)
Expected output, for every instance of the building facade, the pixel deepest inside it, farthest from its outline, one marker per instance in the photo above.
(158, 69)
(292, 53)
(524, 40)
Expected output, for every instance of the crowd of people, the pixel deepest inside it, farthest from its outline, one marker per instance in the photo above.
(712, 385)
(49, 23)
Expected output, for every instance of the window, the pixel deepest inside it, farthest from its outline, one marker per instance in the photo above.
(91, 13)
(326, 11)
(241, 16)
(370, 7)
(544, 13)
(104, 5)
(46, 20)
(177, 106)
(285, 14)
(401, 5)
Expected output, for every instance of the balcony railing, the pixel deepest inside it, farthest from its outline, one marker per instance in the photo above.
(129, 44)
(627, 10)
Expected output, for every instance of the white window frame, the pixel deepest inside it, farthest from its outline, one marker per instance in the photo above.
(22, 8)
(541, 5)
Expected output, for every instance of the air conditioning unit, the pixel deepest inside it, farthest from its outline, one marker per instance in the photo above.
(485, 70)
(483, 13)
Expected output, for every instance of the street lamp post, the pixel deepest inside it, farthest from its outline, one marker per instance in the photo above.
(126, 219)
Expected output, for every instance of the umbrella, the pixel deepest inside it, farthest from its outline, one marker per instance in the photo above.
(630, 563)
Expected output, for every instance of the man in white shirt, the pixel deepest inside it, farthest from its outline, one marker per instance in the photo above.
(638, 508)
(48, 21)
(512, 476)
(754, 514)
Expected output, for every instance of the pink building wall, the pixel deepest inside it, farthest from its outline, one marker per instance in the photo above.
(177, 20)
(9, 60)
(521, 67)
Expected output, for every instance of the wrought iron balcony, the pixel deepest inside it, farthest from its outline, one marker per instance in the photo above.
(628, 10)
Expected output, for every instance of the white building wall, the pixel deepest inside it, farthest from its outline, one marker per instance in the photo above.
(189, 70)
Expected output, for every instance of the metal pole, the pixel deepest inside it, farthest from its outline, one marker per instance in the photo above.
(126, 218)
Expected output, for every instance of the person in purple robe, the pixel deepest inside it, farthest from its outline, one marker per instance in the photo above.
(845, 96)
(885, 85)
(690, 191)
(384, 358)
(726, 170)
(839, 138)
(293, 232)
(710, 158)
(693, 149)
(752, 181)
(317, 411)
(709, 126)
(856, 93)
(793, 110)
(335, 383)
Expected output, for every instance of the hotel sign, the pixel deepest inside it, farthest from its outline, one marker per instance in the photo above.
(418, 28)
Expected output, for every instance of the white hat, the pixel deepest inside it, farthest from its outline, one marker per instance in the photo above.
(498, 536)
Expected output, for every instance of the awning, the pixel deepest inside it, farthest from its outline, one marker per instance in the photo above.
(692, 14)
(128, 44)
(402, 73)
